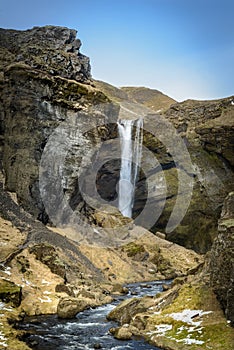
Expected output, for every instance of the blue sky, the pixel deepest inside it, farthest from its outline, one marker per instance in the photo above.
(184, 48)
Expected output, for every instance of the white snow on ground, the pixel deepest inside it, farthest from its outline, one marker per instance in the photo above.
(47, 292)
(45, 282)
(46, 300)
(2, 339)
(27, 283)
(161, 329)
(4, 308)
(190, 341)
(192, 323)
(188, 315)
(7, 270)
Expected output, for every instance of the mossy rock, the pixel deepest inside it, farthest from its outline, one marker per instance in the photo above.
(10, 293)
(136, 251)
(23, 264)
(47, 255)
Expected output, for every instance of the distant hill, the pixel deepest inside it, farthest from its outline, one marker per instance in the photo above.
(148, 97)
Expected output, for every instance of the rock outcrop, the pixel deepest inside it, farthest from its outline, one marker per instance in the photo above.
(50, 48)
(42, 86)
(10, 293)
(222, 259)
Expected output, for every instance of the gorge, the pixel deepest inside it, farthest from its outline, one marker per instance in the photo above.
(75, 153)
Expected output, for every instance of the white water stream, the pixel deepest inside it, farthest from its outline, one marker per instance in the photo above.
(130, 162)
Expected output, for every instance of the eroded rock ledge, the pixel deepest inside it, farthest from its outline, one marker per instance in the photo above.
(50, 48)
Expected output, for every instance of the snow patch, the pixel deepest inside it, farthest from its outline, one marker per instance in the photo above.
(46, 300)
(45, 282)
(161, 329)
(190, 341)
(28, 283)
(3, 340)
(4, 308)
(187, 316)
(7, 270)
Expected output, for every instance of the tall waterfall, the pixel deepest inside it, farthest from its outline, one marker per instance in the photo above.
(130, 162)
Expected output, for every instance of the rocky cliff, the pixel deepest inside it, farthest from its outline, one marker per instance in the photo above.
(55, 50)
(207, 128)
(222, 259)
(46, 83)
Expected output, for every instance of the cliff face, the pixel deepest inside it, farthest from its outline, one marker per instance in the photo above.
(207, 128)
(49, 48)
(222, 259)
(46, 84)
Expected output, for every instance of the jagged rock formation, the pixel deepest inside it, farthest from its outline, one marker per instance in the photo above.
(222, 259)
(36, 98)
(51, 49)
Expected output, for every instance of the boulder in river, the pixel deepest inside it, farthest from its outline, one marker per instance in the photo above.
(123, 333)
(69, 307)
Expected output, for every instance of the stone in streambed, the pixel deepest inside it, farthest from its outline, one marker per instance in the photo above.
(123, 333)
(119, 289)
(69, 307)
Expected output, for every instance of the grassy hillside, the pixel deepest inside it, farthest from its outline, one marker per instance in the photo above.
(148, 97)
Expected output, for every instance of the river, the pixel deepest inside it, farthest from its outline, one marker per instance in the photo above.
(89, 330)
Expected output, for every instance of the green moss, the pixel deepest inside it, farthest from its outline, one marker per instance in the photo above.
(227, 223)
(213, 331)
(132, 249)
(67, 93)
(47, 254)
(9, 334)
(10, 292)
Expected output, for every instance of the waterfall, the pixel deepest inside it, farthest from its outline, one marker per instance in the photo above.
(130, 162)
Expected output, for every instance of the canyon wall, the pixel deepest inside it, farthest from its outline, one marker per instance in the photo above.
(46, 85)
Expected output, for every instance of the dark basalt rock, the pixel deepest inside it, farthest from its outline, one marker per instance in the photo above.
(222, 259)
(50, 48)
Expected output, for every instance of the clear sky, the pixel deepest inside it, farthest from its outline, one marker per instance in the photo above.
(184, 48)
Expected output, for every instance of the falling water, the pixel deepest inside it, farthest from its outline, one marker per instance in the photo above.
(130, 162)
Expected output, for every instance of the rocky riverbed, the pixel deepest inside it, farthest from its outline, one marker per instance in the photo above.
(90, 329)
